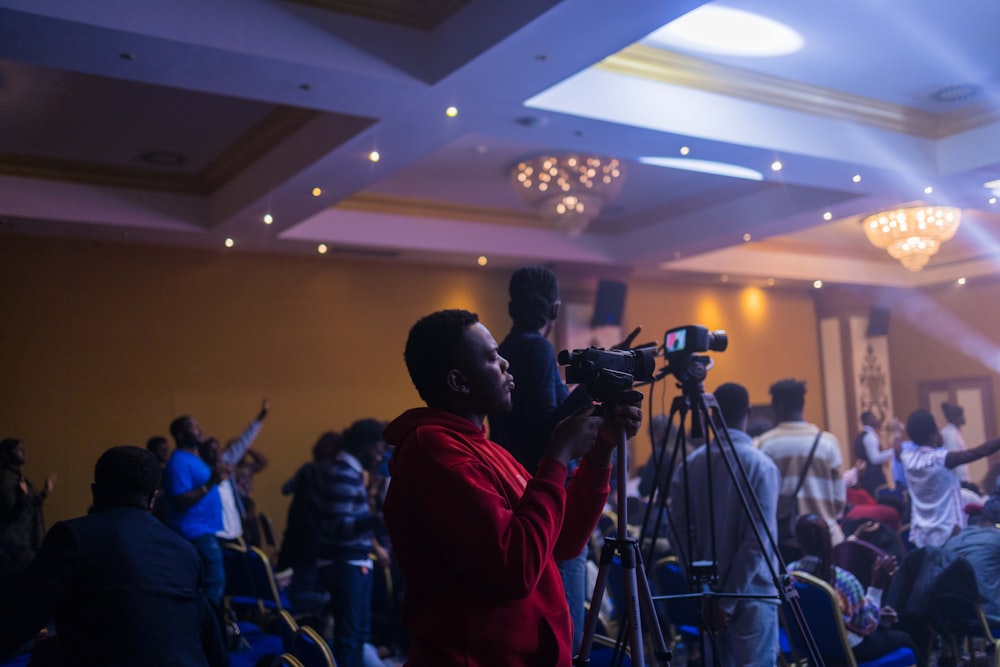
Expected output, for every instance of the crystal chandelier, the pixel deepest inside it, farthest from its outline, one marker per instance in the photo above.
(912, 234)
(568, 190)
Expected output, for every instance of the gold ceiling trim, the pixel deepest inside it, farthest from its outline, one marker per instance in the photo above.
(656, 64)
(422, 208)
(90, 173)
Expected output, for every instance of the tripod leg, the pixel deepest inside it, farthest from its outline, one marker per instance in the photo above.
(628, 556)
(660, 651)
(590, 627)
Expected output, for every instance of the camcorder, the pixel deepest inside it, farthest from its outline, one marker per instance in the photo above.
(608, 373)
(681, 347)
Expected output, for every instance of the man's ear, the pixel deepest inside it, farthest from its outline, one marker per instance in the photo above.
(457, 382)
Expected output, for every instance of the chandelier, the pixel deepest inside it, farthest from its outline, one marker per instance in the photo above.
(912, 234)
(568, 190)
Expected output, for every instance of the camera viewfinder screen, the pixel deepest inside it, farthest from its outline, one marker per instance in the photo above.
(676, 340)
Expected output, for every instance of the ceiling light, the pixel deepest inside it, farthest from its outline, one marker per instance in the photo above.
(828, 216)
(928, 190)
(481, 260)
(856, 178)
(705, 167)
(770, 282)
(317, 192)
(321, 248)
(817, 284)
(230, 243)
(568, 190)
(776, 166)
(451, 112)
(268, 218)
(727, 31)
(993, 200)
(961, 281)
(685, 150)
(374, 156)
(724, 278)
(912, 234)
(746, 237)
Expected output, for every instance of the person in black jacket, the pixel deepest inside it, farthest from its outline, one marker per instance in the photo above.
(120, 587)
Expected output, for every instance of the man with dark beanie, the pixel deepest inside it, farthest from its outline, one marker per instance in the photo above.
(540, 399)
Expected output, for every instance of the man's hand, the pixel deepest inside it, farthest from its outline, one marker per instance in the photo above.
(265, 407)
(50, 484)
(574, 436)
(884, 567)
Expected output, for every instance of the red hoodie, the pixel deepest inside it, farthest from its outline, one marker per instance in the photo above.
(477, 539)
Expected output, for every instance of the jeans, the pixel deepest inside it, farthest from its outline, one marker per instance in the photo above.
(574, 577)
(215, 573)
(751, 638)
(350, 588)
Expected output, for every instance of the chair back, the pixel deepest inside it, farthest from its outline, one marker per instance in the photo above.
(821, 609)
(267, 531)
(287, 627)
(684, 614)
(857, 557)
(240, 587)
(312, 649)
(286, 660)
(263, 580)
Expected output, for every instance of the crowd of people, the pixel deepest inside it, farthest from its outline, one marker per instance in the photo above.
(482, 507)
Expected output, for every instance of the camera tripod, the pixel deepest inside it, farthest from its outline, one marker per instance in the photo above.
(639, 600)
(703, 574)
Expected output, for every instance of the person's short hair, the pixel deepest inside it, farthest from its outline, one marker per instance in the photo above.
(734, 402)
(952, 411)
(534, 291)
(126, 475)
(179, 427)
(790, 393)
(921, 427)
(327, 446)
(433, 346)
(361, 434)
(156, 442)
(7, 447)
(867, 416)
(991, 509)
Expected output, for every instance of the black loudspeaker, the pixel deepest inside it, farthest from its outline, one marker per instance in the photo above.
(609, 304)
(878, 322)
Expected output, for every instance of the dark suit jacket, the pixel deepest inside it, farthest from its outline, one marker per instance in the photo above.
(122, 589)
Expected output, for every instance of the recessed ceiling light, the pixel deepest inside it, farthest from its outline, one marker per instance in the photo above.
(928, 190)
(746, 237)
(451, 112)
(828, 216)
(321, 248)
(993, 200)
(705, 167)
(230, 243)
(856, 178)
(374, 156)
(776, 165)
(316, 192)
(685, 150)
(961, 281)
(268, 218)
(817, 284)
(727, 31)
(770, 282)
(482, 260)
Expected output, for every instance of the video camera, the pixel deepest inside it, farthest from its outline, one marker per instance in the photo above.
(680, 346)
(608, 373)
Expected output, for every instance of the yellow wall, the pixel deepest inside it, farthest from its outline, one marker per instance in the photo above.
(948, 333)
(103, 344)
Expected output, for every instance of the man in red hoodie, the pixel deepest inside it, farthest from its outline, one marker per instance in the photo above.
(477, 537)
